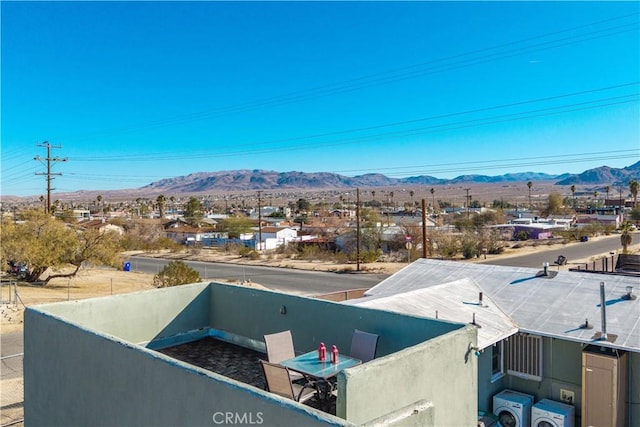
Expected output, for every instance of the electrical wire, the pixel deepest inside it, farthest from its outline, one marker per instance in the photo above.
(535, 113)
(386, 77)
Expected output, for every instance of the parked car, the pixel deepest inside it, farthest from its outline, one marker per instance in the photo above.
(18, 268)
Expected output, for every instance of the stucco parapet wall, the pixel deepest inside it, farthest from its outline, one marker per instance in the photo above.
(51, 383)
(418, 414)
(442, 370)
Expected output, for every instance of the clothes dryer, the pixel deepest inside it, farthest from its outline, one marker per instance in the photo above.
(549, 413)
(513, 408)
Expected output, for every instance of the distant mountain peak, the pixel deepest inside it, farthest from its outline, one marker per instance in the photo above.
(259, 179)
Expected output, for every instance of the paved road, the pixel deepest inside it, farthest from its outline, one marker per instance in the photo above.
(301, 282)
(573, 252)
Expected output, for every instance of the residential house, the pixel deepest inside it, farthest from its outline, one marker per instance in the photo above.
(101, 225)
(535, 328)
(613, 220)
(99, 361)
(187, 235)
(274, 237)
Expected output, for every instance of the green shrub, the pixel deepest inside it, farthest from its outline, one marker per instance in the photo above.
(175, 273)
(247, 252)
(469, 249)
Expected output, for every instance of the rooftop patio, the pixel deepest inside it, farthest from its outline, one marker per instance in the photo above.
(233, 361)
(156, 361)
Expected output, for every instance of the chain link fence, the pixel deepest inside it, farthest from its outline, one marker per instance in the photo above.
(11, 390)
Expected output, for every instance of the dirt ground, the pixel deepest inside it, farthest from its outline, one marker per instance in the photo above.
(97, 282)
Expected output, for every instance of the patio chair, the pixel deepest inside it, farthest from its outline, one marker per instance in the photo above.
(278, 379)
(279, 348)
(363, 345)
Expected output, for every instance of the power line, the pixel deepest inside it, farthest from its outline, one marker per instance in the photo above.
(483, 121)
(423, 169)
(392, 75)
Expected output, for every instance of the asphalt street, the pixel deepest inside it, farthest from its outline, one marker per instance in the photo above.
(575, 253)
(301, 282)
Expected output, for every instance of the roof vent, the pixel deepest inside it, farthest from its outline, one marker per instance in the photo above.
(629, 295)
(473, 322)
(586, 325)
(603, 312)
(545, 272)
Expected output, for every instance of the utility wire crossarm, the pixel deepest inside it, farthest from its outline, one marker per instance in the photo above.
(48, 173)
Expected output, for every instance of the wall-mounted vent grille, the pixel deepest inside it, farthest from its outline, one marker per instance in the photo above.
(524, 356)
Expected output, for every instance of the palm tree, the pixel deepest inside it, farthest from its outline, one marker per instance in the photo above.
(411, 193)
(529, 185)
(161, 199)
(391, 196)
(373, 195)
(606, 190)
(573, 192)
(625, 238)
(633, 187)
(433, 199)
(595, 198)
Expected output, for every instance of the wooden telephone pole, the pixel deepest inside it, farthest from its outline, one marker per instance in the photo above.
(48, 173)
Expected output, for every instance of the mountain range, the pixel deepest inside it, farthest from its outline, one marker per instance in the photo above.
(258, 179)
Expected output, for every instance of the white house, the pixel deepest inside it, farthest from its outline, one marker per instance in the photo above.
(273, 237)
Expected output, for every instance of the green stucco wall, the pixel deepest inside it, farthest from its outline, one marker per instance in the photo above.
(84, 365)
(441, 371)
(486, 388)
(75, 377)
(312, 321)
(141, 317)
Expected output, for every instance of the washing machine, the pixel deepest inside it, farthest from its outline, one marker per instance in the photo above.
(549, 413)
(513, 408)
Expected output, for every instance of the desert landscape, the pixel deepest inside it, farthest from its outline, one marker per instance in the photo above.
(97, 282)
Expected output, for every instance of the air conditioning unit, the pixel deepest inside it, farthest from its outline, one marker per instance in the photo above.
(549, 413)
(513, 408)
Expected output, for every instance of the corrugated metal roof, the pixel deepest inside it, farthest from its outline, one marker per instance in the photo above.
(554, 305)
(456, 301)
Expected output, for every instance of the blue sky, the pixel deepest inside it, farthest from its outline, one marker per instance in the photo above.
(134, 92)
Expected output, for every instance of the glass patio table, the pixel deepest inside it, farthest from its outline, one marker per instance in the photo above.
(309, 364)
(322, 373)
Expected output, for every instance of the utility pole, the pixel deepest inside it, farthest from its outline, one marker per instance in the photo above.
(259, 222)
(357, 229)
(424, 228)
(49, 174)
(468, 200)
(621, 203)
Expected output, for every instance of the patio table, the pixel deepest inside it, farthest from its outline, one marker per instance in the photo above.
(310, 366)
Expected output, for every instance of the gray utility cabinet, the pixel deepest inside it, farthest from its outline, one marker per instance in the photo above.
(604, 387)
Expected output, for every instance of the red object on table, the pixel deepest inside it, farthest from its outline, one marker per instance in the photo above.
(334, 354)
(322, 352)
